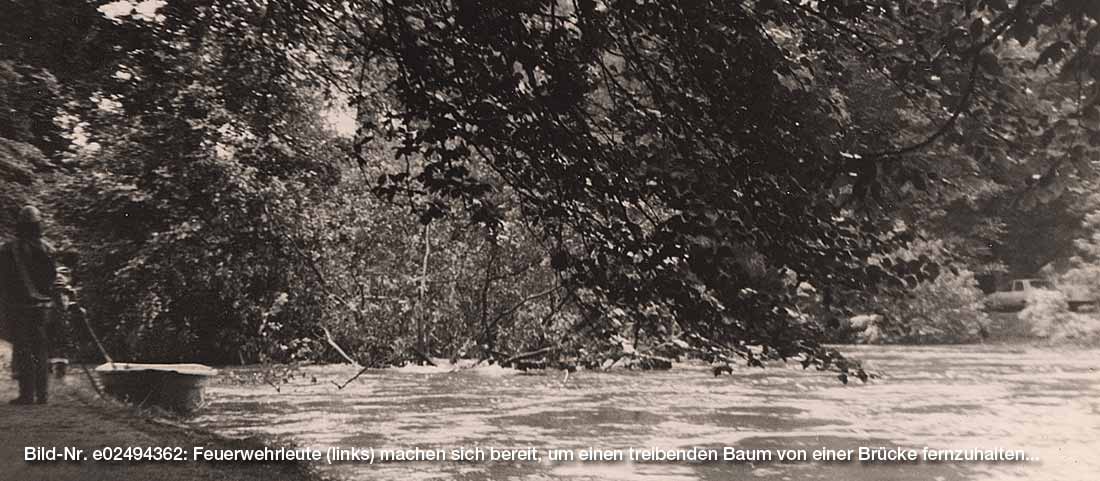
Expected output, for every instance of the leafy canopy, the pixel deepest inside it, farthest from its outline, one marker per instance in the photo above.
(701, 160)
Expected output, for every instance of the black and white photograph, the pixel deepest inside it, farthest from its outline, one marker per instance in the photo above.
(549, 240)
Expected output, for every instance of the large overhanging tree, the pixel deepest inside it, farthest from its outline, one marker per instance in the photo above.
(696, 166)
(697, 160)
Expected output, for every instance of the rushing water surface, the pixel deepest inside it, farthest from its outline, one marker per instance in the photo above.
(1042, 401)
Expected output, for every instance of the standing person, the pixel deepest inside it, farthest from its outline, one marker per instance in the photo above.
(27, 277)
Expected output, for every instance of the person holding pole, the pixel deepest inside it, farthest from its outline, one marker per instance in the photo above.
(28, 276)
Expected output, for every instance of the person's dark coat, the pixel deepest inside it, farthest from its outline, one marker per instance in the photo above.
(27, 288)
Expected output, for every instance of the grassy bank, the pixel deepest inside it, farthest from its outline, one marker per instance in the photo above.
(76, 418)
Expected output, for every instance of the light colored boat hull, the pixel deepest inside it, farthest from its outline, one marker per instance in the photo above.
(177, 387)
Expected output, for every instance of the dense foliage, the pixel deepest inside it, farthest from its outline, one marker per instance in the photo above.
(699, 161)
(568, 181)
(946, 309)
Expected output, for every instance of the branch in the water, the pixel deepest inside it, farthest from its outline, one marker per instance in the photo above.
(423, 357)
(352, 379)
(537, 352)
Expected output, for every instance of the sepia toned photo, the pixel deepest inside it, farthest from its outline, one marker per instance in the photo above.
(549, 240)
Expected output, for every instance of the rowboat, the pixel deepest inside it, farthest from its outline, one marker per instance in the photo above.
(177, 387)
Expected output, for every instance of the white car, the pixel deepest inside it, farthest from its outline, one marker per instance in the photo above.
(1020, 291)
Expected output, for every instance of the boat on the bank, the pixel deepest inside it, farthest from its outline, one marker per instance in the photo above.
(177, 387)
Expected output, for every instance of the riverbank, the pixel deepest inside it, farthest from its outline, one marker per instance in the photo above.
(75, 417)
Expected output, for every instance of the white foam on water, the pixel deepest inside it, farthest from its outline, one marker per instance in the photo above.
(1038, 400)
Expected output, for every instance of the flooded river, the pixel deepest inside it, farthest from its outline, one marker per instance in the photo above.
(1040, 401)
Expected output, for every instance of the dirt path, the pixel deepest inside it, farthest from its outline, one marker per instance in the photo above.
(76, 418)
